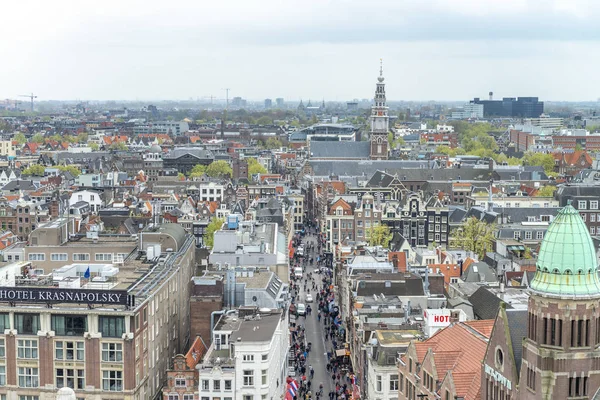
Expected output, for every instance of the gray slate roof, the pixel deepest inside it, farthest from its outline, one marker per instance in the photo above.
(517, 323)
(485, 304)
(202, 154)
(340, 150)
(368, 168)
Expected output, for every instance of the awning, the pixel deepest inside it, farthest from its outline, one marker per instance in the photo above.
(342, 352)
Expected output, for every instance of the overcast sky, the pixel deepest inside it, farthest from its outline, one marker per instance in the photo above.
(432, 49)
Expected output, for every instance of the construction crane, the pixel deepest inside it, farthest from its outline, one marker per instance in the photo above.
(31, 96)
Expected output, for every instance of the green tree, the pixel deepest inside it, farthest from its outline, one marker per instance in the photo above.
(475, 235)
(379, 235)
(73, 170)
(83, 137)
(214, 225)
(219, 168)
(254, 167)
(539, 159)
(273, 143)
(181, 176)
(118, 146)
(20, 138)
(94, 146)
(546, 191)
(34, 170)
(38, 138)
(578, 147)
(197, 171)
(264, 120)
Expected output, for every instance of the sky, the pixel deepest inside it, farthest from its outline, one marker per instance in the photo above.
(310, 49)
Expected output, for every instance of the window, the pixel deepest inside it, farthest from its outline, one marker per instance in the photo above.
(539, 235)
(173, 396)
(69, 351)
(531, 378)
(248, 397)
(528, 235)
(264, 377)
(581, 205)
(112, 352)
(248, 377)
(112, 381)
(103, 256)
(578, 386)
(265, 357)
(188, 397)
(22, 397)
(112, 326)
(248, 357)
(517, 235)
(72, 378)
(180, 382)
(592, 230)
(69, 325)
(583, 217)
(4, 322)
(228, 385)
(393, 382)
(28, 377)
(27, 348)
(81, 256)
(216, 385)
(36, 257)
(2, 375)
(59, 257)
(205, 385)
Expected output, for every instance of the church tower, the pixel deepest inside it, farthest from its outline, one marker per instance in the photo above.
(379, 121)
(561, 352)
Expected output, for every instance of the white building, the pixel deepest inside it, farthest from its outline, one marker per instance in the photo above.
(211, 191)
(7, 148)
(469, 110)
(92, 198)
(436, 319)
(247, 358)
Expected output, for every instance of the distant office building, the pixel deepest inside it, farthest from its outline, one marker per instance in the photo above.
(469, 110)
(545, 122)
(238, 102)
(522, 107)
(352, 105)
(279, 101)
(165, 127)
(268, 103)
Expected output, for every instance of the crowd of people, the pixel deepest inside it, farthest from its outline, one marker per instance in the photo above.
(338, 380)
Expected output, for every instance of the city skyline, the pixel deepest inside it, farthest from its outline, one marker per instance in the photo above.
(447, 51)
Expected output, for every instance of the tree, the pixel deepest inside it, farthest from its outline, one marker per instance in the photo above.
(38, 138)
(35, 170)
(273, 143)
(94, 146)
(540, 160)
(20, 138)
(214, 225)
(475, 235)
(181, 176)
(82, 137)
(578, 147)
(264, 120)
(219, 169)
(197, 171)
(254, 167)
(546, 191)
(379, 235)
(118, 146)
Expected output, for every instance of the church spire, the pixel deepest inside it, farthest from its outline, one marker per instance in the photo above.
(379, 120)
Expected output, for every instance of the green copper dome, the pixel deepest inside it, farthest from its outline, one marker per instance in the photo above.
(566, 265)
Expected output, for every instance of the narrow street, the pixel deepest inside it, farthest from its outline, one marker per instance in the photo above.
(316, 335)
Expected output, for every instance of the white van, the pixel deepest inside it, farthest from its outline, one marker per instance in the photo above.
(301, 309)
(298, 272)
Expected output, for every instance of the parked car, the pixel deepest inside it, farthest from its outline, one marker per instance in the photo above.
(301, 309)
(309, 298)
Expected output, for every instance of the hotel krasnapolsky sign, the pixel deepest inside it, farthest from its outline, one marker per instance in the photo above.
(65, 295)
